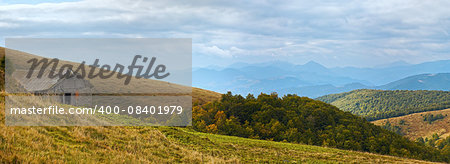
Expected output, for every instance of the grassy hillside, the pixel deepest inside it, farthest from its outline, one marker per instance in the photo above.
(114, 85)
(413, 126)
(158, 145)
(380, 104)
(430, 128)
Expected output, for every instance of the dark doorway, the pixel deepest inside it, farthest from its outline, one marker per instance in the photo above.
(67, 98)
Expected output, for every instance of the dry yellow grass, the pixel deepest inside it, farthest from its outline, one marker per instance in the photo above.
(415, 127)
(160, 145)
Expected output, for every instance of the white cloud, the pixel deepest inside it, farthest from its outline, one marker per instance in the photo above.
(213, 50)
(349, 31)
(8, 25)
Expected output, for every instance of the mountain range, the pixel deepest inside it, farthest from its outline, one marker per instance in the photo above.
(313, 79)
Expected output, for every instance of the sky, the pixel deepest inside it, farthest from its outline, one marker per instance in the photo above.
(332, 33)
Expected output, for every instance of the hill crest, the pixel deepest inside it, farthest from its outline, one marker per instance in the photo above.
(380, 104)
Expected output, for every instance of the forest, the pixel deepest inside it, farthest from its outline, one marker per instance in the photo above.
(381, 104)
(303, 120)
(442, 144)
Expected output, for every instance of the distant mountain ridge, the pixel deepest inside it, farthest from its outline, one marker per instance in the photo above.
(440, 81)
(393, 64)
(380, 76)
(313, 79)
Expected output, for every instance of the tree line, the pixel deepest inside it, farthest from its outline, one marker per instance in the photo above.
(442, 144)
(430, 118)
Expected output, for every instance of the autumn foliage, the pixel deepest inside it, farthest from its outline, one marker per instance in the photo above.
(302, 120)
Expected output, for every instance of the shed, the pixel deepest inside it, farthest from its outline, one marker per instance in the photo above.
(71, 90)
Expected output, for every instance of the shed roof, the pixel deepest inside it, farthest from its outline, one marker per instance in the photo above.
(34, 83)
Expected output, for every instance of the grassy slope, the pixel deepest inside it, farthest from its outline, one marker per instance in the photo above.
(380, 104)
(157, 145)
(135, 86)
(162, 144)
(415, 127)
(251, 150)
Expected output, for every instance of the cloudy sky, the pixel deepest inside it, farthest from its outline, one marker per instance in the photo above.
(344, 33)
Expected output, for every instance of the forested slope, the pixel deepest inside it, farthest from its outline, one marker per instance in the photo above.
(302, 120)
(380, 104)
